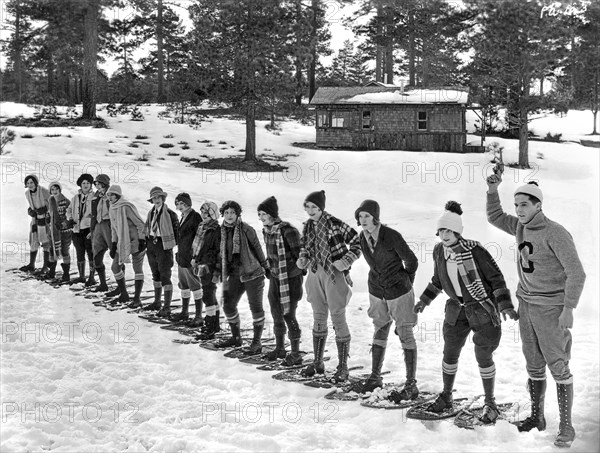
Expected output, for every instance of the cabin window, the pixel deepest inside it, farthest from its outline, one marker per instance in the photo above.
(323, 119)
(422, 121)
(340, 119)
(366, 119)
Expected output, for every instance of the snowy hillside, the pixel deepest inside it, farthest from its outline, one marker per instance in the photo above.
(79, 378)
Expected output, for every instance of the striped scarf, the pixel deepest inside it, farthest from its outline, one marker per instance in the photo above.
(163, 219)
(282, 275)
(200, 233)
(235, 249)
(467, 270)
(102, 212)
(36, 200)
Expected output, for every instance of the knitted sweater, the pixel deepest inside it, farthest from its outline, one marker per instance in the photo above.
(550, 272)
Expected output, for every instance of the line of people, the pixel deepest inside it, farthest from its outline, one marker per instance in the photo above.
(551, 278)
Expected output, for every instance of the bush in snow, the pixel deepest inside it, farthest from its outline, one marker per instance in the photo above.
(6, 136)
(496, 150)
(136, 115)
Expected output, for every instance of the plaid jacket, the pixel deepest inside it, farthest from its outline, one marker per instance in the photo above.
(343, 241)
(291, 241)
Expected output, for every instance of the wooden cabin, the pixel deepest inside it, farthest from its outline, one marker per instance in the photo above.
(384, 117)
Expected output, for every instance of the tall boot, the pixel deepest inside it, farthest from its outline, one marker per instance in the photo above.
(236, 337)
(123, 297)
(410, 390)
(198, 321)
(184, 315)
(374, 380)
(341, 373)
(31, 266)
(51, 271)
(102, 287)
(114, 292)
(490, 410)
(279, 352)
(318, 366)
(136, 302)
(294, 357)
(81, 270)
(66, 267)
(537, 393)
(256, 345)
(156, 305)
(91, 281)
(566, 432)
(217, 322)
(165, 311)
(46, 263)
(444, 400)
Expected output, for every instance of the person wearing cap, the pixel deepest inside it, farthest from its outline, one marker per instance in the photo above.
(189, 283)
(329, 247)
(393, 266)
(205, 264)
(79, 216)
(100, 228)
(161, 236)
(477, 293)
(127, 228)
(58, 207)
(39, 234)
(282, 242)
(243, 270)
(551, 279)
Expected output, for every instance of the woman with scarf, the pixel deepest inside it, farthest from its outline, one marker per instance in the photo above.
(282, 242)
(79, 215)
(205, 259)
(100, 228)
(58, 207)
(39, 232)
(477, 292)
(127, 227)
(243, 268)
(161, 233)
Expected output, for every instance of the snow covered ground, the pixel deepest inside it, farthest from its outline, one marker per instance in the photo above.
(78, 378)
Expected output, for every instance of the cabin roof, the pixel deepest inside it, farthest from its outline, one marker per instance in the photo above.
(390, 95)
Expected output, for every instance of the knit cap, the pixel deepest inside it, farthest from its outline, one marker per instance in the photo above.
(531, 188)
(184, 198)
(115, 189)
(270, 207)
(370, 206)
(211, 208)
(55, 184)
(104, 179)
(451, 218)
(317, 198)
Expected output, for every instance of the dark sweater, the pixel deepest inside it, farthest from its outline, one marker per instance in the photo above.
(393, 264)
(185, 237)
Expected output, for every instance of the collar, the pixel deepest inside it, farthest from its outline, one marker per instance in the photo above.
(374, 234)
(537, 223)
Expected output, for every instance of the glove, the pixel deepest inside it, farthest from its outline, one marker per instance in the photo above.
(141, 245)
(204, 270)
(71, 223)
(267, 273)
(511, 313)
(216, 279)
(31, 212)
(41, 211)
(419, 307)
(302, 263)
(340, 265)
(113, 250)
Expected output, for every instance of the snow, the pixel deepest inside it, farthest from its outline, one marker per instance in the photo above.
(121, 384)
(417, 96)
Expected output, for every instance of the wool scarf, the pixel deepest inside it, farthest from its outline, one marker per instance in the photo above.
(36, 200)
(165, 226)
(119, 221)
(200, 233)
(235, 249)
(282, 275)
(467, 270)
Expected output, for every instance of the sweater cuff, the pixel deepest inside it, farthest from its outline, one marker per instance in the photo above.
(503, 300)
(430, 293)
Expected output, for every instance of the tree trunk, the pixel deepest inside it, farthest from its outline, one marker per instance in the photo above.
(312, 68)
(298, 97)
(411, 50)
(389, 61)
(523, 128)
(18, 54)
(250, 154)
(90, 57)
(50, 87)
(541, 85)
(596, 101)
(379, 47)
(595, 131)
(160, 56)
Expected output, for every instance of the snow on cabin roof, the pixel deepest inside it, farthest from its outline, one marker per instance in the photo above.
(390, 95)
